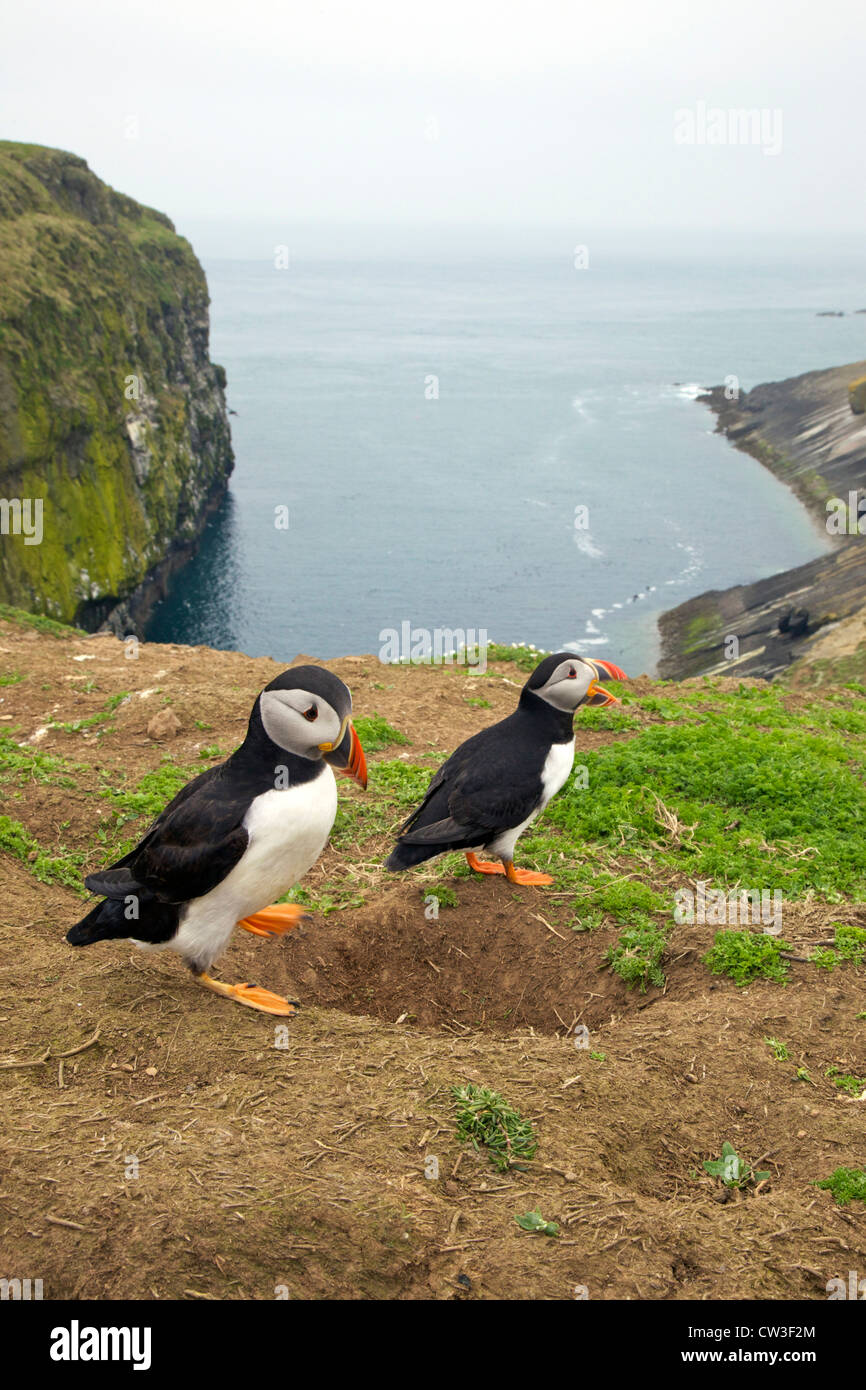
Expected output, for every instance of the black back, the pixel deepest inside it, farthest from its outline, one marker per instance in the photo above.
(490, 784)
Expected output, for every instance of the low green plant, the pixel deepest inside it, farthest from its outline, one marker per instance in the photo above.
(38, 621)
(63, 867)
(850, 942)
(376, 733)
(733, 1170)
(636, 957)
(90, 721)
(846, 1184)
(446, 897)
(484, 1118)
(533, 1221)
(845, 1081)
(778, 1049)
(746, 956)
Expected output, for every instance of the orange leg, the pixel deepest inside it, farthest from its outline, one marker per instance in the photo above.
(482, 866)
(524, 876)
(252, 996)
(274, 921)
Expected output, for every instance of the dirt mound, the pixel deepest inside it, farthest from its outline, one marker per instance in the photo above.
(493, 963)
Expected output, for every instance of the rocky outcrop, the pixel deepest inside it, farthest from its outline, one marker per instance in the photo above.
(113, 422)
(857, 395)
(806, 433)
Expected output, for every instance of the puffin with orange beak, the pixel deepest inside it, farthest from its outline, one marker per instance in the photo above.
(237, 837)
(498, 781)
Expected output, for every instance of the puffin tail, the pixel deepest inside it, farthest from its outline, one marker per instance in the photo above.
(406, 856)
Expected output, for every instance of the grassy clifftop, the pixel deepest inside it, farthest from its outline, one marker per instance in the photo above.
(110, 409)
(328, 1162)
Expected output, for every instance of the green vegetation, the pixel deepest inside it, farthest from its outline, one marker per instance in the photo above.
(23, 763)
(533, 1221)
(845, 1081)
(152, 793)
(778, 1049)
(846, 1184)
(330, 897)
(63, 867)
(636, 957)
(100, 303)
(628, 900)
(484, 1118)
(748, 956)
(519, 654)
(91, 721)
(753, 786)
(21, 618)
(849, 944)
(446, 897)
(376, 733)
(733, 1170)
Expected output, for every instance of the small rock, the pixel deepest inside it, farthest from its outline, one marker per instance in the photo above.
(163, 725)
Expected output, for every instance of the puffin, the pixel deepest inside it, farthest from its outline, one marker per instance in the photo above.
(496, 783)
(237, 837)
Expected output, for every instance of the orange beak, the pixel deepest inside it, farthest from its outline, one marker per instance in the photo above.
(597, 695)
(347, 758)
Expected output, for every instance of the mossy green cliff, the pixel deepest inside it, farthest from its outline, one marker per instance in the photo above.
(111, 411)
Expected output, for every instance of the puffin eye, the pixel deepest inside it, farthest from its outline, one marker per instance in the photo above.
(311, 713)
(572, 674)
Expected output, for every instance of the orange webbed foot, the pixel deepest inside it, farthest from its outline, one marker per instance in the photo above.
(274, 921)
(526, 876)
(252, 996)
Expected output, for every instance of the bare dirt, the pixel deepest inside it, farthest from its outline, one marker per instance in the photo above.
(187, 1148)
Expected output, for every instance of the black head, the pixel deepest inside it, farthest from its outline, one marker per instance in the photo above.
(306, 711)
(566, 681)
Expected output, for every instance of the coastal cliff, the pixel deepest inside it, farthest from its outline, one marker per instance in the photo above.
(114, 434)
(808, 432)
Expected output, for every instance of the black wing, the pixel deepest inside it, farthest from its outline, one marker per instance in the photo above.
(480, 789)
(188, 850)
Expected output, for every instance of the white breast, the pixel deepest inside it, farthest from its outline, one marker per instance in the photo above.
(288, 830)
(554, 774)
(556, 770)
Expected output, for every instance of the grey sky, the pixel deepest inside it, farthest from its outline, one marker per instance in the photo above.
(456, 111)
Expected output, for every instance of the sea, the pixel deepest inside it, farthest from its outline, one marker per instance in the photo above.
(505, 443)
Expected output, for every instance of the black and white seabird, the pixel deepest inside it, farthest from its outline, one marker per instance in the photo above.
(237, 837)
(498, 781)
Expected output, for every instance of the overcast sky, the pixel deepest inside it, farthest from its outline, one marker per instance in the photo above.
(467, 112)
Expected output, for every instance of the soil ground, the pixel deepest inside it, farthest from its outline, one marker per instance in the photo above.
(188, 1148)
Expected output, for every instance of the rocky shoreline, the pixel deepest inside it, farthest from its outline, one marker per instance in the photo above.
(806, 431)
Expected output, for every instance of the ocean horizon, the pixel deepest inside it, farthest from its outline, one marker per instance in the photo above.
(504, 442)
